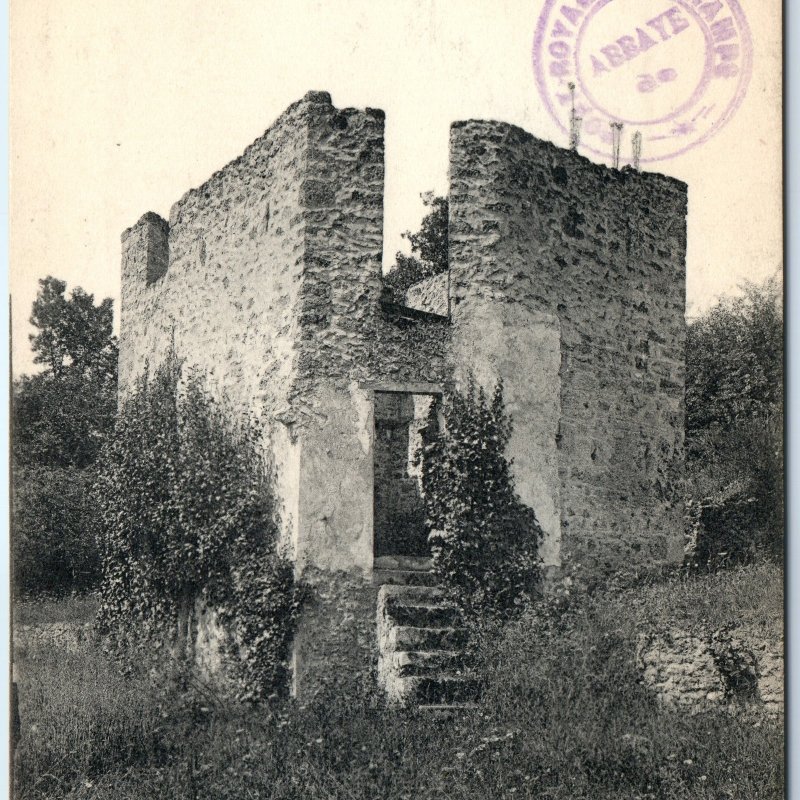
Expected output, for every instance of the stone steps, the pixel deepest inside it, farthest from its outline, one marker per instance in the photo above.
(417, 663)
(402, 571)
(402, 577)
(421, 642)
(401, 637)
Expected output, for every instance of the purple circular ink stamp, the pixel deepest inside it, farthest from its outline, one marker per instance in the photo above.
(673, 71)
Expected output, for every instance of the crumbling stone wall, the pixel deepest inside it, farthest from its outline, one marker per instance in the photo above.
(601, 254)
(268, 279)
(223, 276)
(348, 344)
(430, 294)
(220, 283)
(336, 645)
(699, 670)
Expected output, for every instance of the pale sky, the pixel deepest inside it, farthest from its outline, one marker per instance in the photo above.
(118, 108)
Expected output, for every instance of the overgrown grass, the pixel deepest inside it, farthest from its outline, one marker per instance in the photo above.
(744, 595)
(563, 715)
(80, 718)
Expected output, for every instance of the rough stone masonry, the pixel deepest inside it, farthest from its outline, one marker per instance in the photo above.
(566, 280)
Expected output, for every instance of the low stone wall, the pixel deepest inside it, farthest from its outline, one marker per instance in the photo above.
(700, 670)
(66, 636)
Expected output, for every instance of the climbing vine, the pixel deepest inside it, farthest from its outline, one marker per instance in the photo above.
(189, 520)
(484, 540)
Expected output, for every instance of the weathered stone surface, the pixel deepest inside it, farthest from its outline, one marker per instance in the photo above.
(698, 670)
(420, 646)
(681, 669)
(600, 252)
(336, 646)
(494, 339)
(765, 653)
(430, 295)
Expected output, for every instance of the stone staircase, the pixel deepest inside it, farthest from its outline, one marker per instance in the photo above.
(421, 641)
(402, 570)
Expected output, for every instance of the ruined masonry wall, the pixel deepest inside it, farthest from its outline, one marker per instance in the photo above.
(347, 346)
(268, 278)
(429, 295)
(566, 280)
(234, 250)
(697, 670)
(602, 253)
(230, 262)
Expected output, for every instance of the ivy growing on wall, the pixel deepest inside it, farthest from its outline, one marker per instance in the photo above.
(484, 540)
(189, 520)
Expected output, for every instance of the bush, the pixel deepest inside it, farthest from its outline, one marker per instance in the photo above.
(188, 514)
(53, 544)
(734, 428)
(484, 541)
(59, 419)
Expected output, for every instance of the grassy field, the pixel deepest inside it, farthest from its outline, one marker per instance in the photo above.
(563, 716)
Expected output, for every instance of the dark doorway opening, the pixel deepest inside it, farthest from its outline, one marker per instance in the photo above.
(404, 421)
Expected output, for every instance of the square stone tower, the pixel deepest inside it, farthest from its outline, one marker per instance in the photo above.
(566, 280)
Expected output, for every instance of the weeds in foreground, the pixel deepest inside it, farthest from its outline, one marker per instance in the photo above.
(563, 715)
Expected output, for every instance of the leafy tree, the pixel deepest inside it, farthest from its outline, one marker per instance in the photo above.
(734, 426)
(60, 418)
(61, 415)
(53, 545)
(73, 332)
(484, 540)
(187, 514)
(429, 249)
(734, 361)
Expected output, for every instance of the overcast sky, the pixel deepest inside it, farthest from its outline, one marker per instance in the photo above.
(118, 108)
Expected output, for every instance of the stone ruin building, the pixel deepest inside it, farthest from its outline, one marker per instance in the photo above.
(566, 279)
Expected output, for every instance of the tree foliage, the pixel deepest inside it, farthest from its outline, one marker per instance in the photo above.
(53, 546)
(72, 333)
(734, 361)
(188, 516)
(61, 415)
(734, 426)
(60, 418)
(429, 249)
(484, 540)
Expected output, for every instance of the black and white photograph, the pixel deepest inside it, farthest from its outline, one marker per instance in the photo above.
(396, 400)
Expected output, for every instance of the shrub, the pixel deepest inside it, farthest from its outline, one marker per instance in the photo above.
(734, 427)
(484, 541)
(188, 514)
(53, 545)
(59, 420)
